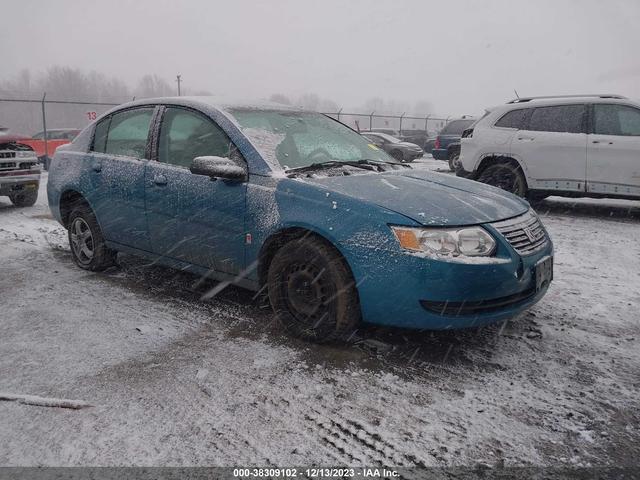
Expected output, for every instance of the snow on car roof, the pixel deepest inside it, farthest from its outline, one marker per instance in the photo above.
(220, 102)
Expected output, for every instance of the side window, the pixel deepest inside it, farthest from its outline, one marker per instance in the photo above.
(185, 135)
(128, 133)
(512, 119)
(616, 120)
(39, 136)
(561, 118)
(100, 135)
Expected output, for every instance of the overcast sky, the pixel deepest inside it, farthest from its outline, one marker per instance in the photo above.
(459, 55)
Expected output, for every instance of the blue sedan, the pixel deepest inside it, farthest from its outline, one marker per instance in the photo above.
(299, 206)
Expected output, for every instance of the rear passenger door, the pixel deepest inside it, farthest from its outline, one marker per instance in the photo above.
(553, 147)
(613, 155)
(116, 169)
(193, 218)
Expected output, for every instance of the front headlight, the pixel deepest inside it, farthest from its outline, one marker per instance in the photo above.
(25, 154)
(470, 242)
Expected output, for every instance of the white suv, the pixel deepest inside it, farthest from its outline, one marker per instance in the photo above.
(586, 145)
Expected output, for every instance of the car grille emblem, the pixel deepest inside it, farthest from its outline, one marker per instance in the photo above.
(533, 234)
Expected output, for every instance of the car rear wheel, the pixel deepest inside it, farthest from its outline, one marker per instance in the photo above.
(505, 176)
(25, 199)
(312, 292)
(88, 247)
(454, 160)
(398, 155)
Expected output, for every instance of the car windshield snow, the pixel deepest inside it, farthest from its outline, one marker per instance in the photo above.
(292, 140)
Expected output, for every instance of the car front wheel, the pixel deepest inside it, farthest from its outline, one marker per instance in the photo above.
(25, 199)
(88, 247)
(312, 292)
(505, 176)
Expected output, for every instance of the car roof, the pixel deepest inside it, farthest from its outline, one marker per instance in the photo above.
(569, 100)
(217, 102)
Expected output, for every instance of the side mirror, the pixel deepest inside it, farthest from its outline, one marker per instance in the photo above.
(217, 167)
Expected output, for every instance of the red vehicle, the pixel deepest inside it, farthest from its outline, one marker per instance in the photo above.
(55, 138)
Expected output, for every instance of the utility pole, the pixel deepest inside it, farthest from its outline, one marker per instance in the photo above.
(178, 77)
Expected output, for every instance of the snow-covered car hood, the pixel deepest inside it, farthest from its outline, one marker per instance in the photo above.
(429, 198)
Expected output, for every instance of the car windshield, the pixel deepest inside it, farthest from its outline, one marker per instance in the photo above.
(290, 139)
(456, 127)
(388, 138)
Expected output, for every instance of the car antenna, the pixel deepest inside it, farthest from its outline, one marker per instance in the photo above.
(516, 92)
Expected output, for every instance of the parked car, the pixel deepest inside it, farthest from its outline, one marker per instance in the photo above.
(388, 131)
(419, 137)
(587, 145)
(429, 144)
(333, 229)
(55, 138)
(19, 170)
(447, 143)
(401, 151)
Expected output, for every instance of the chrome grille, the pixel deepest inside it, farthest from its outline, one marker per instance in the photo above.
(7, 165)
(4, 154)
(525, 233)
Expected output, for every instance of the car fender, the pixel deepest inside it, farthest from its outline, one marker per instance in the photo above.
(515, 157)
(355, 227)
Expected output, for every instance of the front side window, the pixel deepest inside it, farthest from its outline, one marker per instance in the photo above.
(124, 133)
(290, 139)
(185, 135)
(560, 118)
(512, 119)
(616, 120)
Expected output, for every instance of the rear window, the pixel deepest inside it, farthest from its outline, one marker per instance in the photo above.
(512, 119)
(456, 127)
(561, 118)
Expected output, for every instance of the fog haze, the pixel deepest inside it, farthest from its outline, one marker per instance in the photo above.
(460, 56)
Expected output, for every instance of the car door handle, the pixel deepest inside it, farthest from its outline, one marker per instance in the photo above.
(160, 180)
(603, 142)
(526, 138)
(96, 167)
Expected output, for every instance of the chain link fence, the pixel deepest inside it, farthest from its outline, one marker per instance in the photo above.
(46, 118)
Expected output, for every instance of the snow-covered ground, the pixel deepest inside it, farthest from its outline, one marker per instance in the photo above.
(173, 380)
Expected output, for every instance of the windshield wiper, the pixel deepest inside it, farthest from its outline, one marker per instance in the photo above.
(327, 164)
(369, 161)
(366, 164)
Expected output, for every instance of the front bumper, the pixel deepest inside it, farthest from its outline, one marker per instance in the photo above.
(414, 292)
(18, 180)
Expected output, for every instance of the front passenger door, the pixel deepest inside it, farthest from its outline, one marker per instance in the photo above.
(193, 218)
(613, 155)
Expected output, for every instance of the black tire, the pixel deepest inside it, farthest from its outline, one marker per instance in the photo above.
(312, 292)
(25, 198)
(505, 176)
(454, 157)
(398, 155)
(88, 248)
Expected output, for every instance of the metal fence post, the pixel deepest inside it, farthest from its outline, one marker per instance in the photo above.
(339, 111)
(426, 124)
(44, 127)
(401, 117)
(371, 120)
